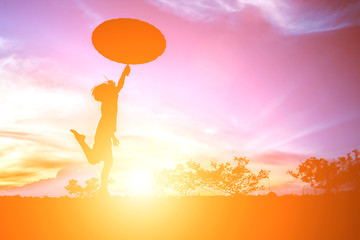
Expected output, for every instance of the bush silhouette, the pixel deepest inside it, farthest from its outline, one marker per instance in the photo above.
(90, 190)
(230, 179)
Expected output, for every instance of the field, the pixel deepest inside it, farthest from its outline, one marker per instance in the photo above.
(252, 217)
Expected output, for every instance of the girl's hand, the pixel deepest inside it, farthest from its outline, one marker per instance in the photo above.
(115, 142)
(127, 70)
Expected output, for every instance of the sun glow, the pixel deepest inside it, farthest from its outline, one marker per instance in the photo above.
(139, 183)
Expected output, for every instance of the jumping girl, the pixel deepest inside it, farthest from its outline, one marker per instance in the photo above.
(107, 93)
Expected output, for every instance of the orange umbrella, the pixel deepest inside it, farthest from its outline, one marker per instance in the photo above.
(128, 41)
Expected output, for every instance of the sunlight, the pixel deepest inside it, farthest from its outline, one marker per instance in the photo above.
(140, 183)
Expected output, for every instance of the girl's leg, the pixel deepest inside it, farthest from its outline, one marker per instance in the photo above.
(87, 150)
(105, 172)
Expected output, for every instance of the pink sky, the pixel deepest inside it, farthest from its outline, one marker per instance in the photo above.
(276, 81)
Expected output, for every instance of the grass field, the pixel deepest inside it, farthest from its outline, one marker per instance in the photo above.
(252, 217)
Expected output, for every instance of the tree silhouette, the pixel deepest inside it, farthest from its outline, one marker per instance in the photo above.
(350, 170)
(183, 179)
(230, 179)
(235, 180)
(330, 176)
(90, 190)
(317, 172)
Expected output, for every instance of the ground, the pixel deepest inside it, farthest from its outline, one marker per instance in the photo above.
(253, 217)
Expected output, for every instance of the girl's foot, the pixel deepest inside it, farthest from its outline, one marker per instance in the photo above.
(79, 137)
(103, 192)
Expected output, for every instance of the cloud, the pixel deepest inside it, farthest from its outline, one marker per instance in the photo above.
(8, 44)
(23, 136)
(13, 176)
(89, 12)
(32, 70)
(316, 128)
(42, 163)
(36, 98)
(38, 110)
(29, 139)
(278, 157)
(17, 135)
(28, 159)
(53, 187)
(18, 168)
(290, 16)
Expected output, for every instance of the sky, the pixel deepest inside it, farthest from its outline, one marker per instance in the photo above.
(275, 81)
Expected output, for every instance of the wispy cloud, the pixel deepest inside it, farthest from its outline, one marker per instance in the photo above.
(44, 163)
(14, 176)
(95, 17)
(290, 16)
(24, 163)
(315, 129)
(53, 186)
(37, 106)
(32, 71)
(278, 157)
(7, 44)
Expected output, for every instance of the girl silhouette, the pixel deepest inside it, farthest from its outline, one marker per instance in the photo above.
(107, 93)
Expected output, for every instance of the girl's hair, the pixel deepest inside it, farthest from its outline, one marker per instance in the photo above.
(104, 90)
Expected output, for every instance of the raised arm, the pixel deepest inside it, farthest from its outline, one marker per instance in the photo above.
(122, 78)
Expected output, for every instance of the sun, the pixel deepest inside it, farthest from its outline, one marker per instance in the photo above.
(140, 183)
